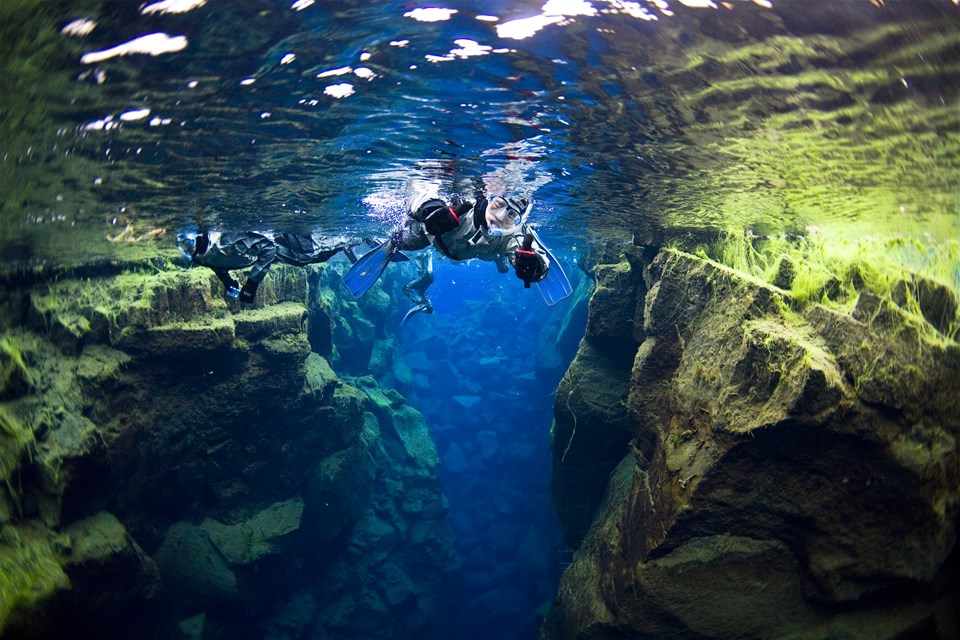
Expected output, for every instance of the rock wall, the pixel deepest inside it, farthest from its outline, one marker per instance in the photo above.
(175, 466)
(731, 463)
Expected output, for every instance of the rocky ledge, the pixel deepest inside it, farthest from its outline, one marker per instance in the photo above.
(177, 467)
(731, 462)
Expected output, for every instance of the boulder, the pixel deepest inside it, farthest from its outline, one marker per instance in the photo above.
(267, 533)
(107, 568)
(195, 574)
(789, 470)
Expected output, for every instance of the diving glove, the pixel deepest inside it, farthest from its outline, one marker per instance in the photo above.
(438, 218)
(527, 263)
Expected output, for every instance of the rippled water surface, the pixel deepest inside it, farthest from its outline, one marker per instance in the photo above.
(122, 122)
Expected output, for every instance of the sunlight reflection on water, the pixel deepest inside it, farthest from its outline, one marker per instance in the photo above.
(617, 117)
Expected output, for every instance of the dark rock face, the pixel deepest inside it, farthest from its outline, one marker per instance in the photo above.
(591, 427)
(176, 467)
(792, 470)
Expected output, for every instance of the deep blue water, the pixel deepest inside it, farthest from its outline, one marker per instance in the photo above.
(489, 407)
(314, 117)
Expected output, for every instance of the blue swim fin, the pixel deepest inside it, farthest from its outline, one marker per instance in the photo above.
(555, 287)
(367, 270)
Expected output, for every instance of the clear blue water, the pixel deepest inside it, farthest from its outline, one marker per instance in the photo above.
(314, 117)
(487, 343)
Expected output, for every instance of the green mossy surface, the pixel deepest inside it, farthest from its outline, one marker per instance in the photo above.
(30, 569)
(789, 444)
(921, 279)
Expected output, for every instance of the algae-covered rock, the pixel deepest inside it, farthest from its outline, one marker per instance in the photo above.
(172, 407)
(408, 425)
(336, 494)
(107, 568)
(181, 337)
(790, 469)
(264, 534)
(589, 432)
(591, 424)
(31, 576)
(321, 379)
(15, 376)
(257, 324)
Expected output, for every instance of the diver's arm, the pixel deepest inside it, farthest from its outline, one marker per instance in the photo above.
(438, 217)
(530, 264)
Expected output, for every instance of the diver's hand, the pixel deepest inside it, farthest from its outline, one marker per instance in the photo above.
(526, 262)
(441, 220)
(437, 217)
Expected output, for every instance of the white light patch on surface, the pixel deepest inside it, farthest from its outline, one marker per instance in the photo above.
(365, 73)
(568, 8)
(172, 6)
(341, 71)
(287, 59)
(136, 114)
(430, 14)
(399, 43)
(300, 5)
(698, 4)
(79, 28)
(341, 90)
(248, 81)
(469, 48)
(153, 44)
(634, 10)
(102, 125)
(525, 27)
(488, 18)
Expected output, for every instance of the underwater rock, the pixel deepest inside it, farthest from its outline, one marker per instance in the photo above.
(15, 377)
(194, 572)
(267, 533)
(173, 408)
(466, 401)
(488, 444)
(589, 433)
(107, 569)
(321, 379)
(936, 301)
(791, 469)
(335, 495)
(454, 460)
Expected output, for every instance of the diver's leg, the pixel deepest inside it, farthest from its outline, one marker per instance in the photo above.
(231, 286)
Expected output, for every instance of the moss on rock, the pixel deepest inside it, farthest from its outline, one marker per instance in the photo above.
(804, 452)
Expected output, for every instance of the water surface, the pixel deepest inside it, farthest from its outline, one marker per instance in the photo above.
(617, 117)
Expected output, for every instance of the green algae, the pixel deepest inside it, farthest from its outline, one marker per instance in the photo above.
(30, 570)
(834, 271)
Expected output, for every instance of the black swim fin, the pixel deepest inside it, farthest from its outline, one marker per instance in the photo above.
(423, 306)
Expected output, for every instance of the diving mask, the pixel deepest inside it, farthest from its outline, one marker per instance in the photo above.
(504, 215)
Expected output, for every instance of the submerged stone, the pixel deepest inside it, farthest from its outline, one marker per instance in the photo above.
(174, 408)
(769, 489)
(265, 534)
(195, 574)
